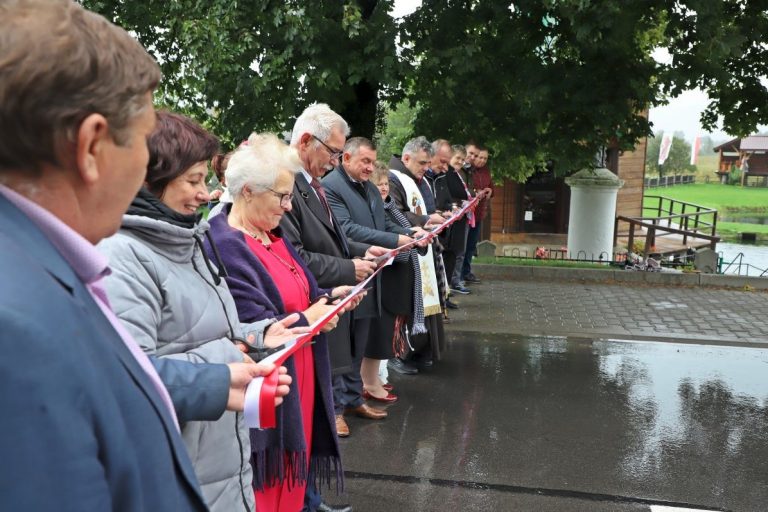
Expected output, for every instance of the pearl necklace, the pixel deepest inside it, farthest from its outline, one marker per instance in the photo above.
(258, 238)
(291, 268)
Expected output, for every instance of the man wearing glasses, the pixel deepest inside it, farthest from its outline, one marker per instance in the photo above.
(319, 135)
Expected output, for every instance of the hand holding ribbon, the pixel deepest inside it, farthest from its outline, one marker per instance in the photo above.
(261, 392)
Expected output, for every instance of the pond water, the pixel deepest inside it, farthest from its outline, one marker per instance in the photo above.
(752, 219)
(755, 255)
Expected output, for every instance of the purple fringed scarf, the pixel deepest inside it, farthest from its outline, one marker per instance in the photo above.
(280, 453)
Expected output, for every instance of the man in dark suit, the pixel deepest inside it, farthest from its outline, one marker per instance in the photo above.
(87, 423)
(412, 166)
(318, 135)
(357, 205)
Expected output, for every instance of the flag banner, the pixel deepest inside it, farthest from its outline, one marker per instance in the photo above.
(695, 147)
(666, 145)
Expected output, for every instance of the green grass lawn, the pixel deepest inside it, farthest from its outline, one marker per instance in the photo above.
(720, 197)
(733, 201)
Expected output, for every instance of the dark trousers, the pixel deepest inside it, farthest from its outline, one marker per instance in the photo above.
(449, 260)
(348, 387)
(473, 234)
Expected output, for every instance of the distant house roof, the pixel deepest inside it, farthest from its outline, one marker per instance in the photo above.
(755, 143)
(728, 146)
(751, 143)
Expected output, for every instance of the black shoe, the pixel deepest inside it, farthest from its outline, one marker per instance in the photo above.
(423, 363)
(397, 365)
(451, 305)
(324, 507)
(471, 278)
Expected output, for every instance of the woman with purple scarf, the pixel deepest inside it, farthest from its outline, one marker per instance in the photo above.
(268, 279)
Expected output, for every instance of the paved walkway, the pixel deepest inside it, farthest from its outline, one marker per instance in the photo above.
(584, 424)
(609, 310)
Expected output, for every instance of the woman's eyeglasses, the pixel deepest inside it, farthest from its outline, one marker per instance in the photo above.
(285, 199)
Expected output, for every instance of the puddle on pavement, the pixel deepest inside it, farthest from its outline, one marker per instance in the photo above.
(680, 388)
(680, 422)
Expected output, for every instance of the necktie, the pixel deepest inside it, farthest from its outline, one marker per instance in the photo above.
(315, 184)
(360, 189)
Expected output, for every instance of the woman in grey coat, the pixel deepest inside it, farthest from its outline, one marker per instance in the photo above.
(175, 303)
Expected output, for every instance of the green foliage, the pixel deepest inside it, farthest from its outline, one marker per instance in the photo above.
(556, 80)
(395, 130)
(537, 81)
(717, 45)
(706, 146)
(678, 161)
(734, 177)
(245, 66)
(541, 81)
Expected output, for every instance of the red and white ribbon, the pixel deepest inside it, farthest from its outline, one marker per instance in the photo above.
(260, 395)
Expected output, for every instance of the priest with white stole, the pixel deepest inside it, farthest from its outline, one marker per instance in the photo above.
(413, 197)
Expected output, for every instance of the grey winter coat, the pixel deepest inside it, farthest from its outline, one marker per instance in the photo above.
(174, 306)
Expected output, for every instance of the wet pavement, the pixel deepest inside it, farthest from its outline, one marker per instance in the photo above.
(622, 311)
(507, 422)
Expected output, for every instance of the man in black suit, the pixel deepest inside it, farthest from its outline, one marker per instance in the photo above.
(318, 136)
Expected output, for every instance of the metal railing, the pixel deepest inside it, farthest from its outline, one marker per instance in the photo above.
(672, 217)
(668, 181)
(738, 265)
(617, 259)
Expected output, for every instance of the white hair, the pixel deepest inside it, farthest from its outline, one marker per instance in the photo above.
(413, 146)
(319, 120)
(258, 162)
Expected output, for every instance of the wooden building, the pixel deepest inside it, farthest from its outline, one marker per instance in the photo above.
(752, 150)
(536, 212)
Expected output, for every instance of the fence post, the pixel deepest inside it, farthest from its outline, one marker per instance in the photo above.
(648, 242)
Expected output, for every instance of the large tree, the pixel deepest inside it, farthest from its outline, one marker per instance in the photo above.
(537, 80)
(244, 66)
(558, 79)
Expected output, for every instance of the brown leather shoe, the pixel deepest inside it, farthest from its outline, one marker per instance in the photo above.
(366, 411)
(342, 429)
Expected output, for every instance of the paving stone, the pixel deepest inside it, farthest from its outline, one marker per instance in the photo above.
(612, 310)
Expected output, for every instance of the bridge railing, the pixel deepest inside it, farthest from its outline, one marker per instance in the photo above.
(663, 216)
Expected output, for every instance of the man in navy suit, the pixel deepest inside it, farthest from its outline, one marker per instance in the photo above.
(87, 423)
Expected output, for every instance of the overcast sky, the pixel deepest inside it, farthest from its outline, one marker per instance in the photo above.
(681, 114)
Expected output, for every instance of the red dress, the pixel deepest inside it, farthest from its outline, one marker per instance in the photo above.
(294, 292)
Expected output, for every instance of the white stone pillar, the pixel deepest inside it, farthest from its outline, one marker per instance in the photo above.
(593, 213)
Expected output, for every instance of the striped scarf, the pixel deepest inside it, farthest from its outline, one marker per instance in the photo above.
(411, 256)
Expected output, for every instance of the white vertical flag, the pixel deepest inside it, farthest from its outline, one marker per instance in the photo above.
(695, 147)
(666, 144)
